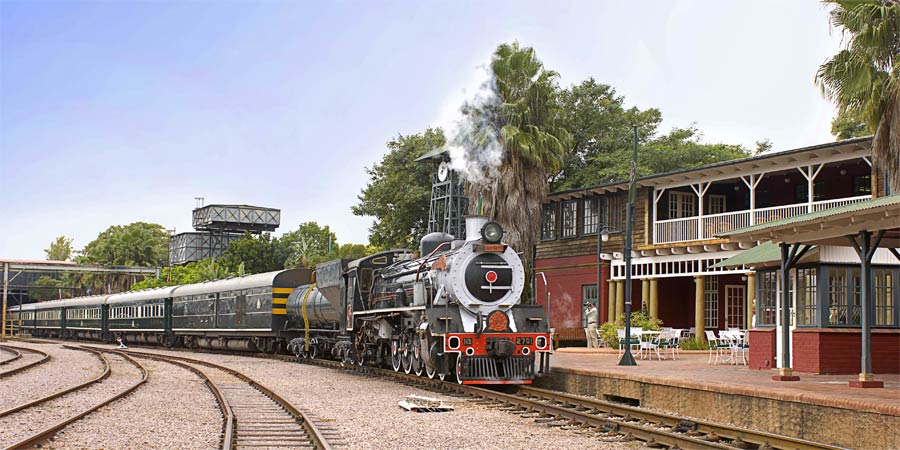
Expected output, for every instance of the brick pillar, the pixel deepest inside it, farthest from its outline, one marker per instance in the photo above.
(698, 307)
(620, 298)
(654, 298)
(611, 302)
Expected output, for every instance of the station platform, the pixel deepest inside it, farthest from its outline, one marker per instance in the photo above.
(821, 408)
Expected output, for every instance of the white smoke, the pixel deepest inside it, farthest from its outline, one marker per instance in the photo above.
(473, 140)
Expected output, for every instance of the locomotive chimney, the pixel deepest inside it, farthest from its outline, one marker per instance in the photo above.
(473, 227)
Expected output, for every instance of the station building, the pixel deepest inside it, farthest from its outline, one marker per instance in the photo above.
(686, 276)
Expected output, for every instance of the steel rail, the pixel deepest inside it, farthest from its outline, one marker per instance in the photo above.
(101, 377)
(27, 366)
(52, 430)
(729, 432)
(312, 430)
(228, 422)
(16, 355)
(632, 422)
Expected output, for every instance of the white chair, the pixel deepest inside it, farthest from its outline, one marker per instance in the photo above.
(743, 347)
(677, 333)
(714, 346)
(635, 339)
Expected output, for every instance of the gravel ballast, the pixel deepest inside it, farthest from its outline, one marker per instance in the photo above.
(366, 411)
(24, 423)
(65, 369)
(173, 410)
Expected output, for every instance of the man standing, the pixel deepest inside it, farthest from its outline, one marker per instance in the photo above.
(593, 317)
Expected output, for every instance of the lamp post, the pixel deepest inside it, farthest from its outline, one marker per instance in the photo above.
(627, 358)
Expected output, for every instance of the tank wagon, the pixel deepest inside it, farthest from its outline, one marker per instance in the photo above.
(456, 311)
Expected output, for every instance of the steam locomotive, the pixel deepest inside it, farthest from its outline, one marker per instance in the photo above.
(455, 312)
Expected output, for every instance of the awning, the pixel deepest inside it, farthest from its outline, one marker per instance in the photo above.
(767, 254)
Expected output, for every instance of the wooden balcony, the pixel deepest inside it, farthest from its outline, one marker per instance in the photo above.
(707, 226)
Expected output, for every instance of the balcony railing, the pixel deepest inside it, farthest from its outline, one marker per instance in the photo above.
(688, 228)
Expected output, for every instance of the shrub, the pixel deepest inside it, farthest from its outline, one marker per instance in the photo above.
(692, 343)
(639, 319)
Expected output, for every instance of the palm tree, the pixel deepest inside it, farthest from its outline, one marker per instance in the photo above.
(864, 78)
(526, 123)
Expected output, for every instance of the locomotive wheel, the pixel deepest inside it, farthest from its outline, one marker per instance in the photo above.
(416, 357)
(459, 361)
(407, 358)
(313, 351)
(429, 372)
(395, 356)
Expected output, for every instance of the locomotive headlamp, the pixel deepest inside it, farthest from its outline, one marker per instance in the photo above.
(492, 232)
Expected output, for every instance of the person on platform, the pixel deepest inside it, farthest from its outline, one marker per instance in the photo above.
(593, 318)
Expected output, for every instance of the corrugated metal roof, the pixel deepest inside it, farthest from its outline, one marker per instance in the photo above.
(766, 254)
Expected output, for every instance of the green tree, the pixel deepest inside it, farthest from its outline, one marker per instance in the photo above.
(356, 251)
(258, 254)
(194, 272)
(864, 77)
(136, 244)
(528, 124)
(600, 125)
(681, 149)
(399, 191)
(46, 288)
(60, 249)
(848, 125)
(602, 140)
(309, 245)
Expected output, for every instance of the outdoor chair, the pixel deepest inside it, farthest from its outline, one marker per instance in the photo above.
(744, 347)
(714, 346)
(666, 340)
(635, 339)
(677, 333)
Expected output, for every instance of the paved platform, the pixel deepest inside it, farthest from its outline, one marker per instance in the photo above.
(818, 407)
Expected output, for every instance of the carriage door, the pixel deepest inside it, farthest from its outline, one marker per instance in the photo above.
(734, 305)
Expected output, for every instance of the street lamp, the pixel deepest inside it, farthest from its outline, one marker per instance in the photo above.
(627, 358)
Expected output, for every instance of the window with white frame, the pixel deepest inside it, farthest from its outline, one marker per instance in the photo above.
(711, 302)
(590, 222)
(715, 204)
(806, 296)
(682, 204)
(569, 218)
(884, 296)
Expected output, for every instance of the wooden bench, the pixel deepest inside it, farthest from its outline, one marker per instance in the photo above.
(569, 337)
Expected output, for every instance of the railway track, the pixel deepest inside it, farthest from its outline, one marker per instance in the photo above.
(103, 375)
(15, 355)
(40, 359)
(255, 417)
(609, 420)
(61, 404)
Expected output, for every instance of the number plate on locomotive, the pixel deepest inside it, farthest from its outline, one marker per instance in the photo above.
(523, 341)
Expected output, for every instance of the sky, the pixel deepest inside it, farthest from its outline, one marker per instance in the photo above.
(117, 112)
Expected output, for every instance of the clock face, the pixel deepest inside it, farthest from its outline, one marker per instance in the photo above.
(443, 171)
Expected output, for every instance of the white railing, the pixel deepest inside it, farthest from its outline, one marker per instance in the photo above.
(676, 230)
(686, 229)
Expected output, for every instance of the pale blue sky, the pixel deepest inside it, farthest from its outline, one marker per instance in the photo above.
(115, 112)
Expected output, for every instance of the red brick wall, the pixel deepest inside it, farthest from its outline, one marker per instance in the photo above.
(839, 351)
(762, 349)
(565, 276)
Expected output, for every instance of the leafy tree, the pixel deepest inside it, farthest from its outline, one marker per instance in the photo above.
(356, 251)
(309, 245)
(601, 134)
(60, 249)
(602, 140)
(681, 149)
(46, 288)
(848, 124)
(258, 254)
(864, 77)
(137, 244)
(194, 272)
(528, 123)
(399, 191)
